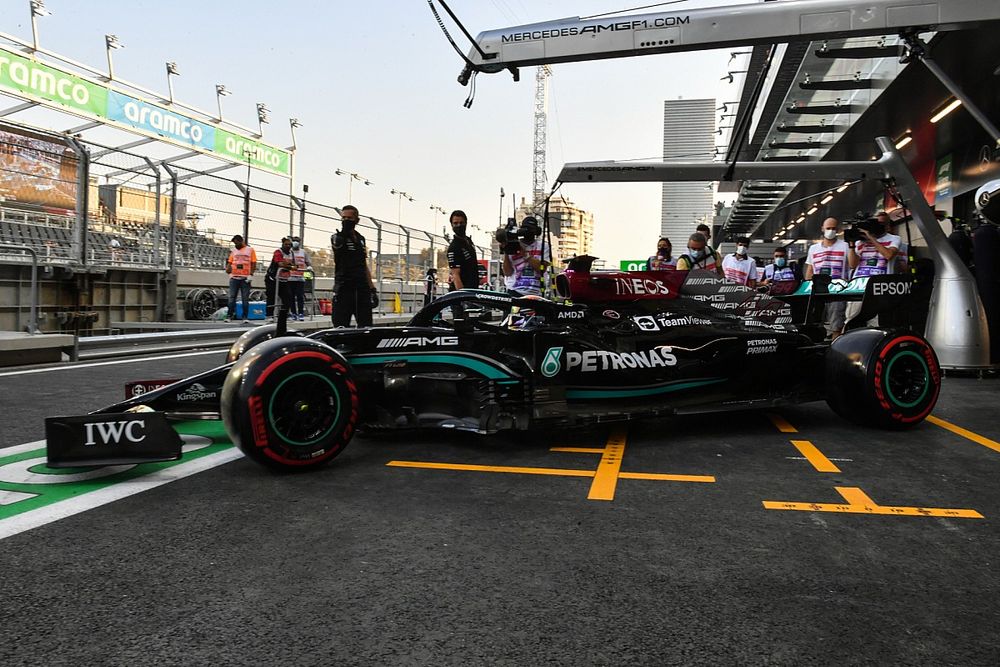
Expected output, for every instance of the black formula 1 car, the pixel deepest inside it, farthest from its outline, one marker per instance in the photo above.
(618, 346)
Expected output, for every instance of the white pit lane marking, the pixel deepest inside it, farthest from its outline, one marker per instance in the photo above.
(78, 504)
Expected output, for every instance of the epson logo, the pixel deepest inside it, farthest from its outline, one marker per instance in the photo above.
(111, 433)
(418, 341)
(891, 289)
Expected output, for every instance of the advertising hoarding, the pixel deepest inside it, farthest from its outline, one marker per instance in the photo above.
(29, 79)
(36, 171)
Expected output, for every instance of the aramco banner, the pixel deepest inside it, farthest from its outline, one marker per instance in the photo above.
(36, 171)
(52, 87)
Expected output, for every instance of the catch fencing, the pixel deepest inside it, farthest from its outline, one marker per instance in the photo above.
(90, 205)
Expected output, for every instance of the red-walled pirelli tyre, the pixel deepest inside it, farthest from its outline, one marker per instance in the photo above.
(882, 378)
(253, 337)
(290, 403)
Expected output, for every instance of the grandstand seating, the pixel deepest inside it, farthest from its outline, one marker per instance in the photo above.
(52, 237)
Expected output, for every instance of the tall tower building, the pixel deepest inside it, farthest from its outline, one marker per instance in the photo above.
(688, 136)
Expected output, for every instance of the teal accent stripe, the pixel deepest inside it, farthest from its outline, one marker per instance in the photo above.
(646, 391)
(455, 360)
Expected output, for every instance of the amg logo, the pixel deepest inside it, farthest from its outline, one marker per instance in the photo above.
(111, 433)
(709, 297)
(733, 288)
(418, 341)
(197, 392)
(891, 289)
(597, 28)
(704, 281)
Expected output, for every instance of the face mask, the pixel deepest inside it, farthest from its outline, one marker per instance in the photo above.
(286, 248)
(779, 262)
(458, 229)
(349, 224)
(697, 254)
(295, 244)
(741, 250)
(829, 234)
(663, 252)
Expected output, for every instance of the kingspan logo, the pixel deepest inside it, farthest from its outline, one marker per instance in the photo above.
(197, 392)
(552, 364)
(417, 341)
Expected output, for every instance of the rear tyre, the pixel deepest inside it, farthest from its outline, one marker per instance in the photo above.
(252, 338)
(290, 403)
(881, 378)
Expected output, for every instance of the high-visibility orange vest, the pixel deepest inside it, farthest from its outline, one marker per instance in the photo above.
(241, 261)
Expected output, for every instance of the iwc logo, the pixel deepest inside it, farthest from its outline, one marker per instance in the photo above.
(551, 364)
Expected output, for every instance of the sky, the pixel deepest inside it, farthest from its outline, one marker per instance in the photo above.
(374, 85)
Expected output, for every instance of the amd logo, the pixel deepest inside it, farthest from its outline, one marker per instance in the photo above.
(571, 315)
(111, 433)
(891, 289)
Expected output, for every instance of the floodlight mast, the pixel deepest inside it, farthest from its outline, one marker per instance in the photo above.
(576, 39)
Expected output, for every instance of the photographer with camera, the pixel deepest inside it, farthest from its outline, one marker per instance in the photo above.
(829, 257)
(525, 256)
(873, 250)
(663, 260)
(354, 290)
(463, 267)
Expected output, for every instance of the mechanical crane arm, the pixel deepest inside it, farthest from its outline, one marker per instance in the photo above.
(576, 39)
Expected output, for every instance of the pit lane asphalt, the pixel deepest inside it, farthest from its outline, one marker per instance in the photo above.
(367, 564)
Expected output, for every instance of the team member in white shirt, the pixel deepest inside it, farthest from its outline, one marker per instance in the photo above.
(874, 256)
(738, 267)
(829, 257)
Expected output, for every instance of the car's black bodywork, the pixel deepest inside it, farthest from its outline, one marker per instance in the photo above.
(621, 346)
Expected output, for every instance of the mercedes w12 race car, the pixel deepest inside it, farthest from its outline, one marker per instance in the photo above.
(616, 346)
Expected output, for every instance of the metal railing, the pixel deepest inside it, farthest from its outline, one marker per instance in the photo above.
(33, 309)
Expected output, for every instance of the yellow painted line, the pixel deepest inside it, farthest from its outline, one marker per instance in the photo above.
(559, 472)
(606, 477)
(814, 456)
(665, 478)
(556, 472)
(781, 423)
(578, 450)
(969, 435)
(858, 502)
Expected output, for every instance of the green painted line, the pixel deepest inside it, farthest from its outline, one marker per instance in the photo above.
(65, 483)
(645, 391)
(475, 365)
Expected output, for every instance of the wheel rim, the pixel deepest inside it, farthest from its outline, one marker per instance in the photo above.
(304, 408)
(907, 379)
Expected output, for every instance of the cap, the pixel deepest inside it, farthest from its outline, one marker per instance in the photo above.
(236, 238)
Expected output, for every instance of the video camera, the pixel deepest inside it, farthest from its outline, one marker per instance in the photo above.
(511, 236)
(853, 231)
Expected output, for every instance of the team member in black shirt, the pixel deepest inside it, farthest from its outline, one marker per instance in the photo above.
(354, 291)
(463, 268)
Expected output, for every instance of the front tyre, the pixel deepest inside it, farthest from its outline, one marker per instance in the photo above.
(881, 378)
(290, 403)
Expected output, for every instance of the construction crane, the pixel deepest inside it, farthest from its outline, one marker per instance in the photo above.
(539, 180)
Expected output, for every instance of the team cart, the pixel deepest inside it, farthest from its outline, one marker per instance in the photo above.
(617, 346)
